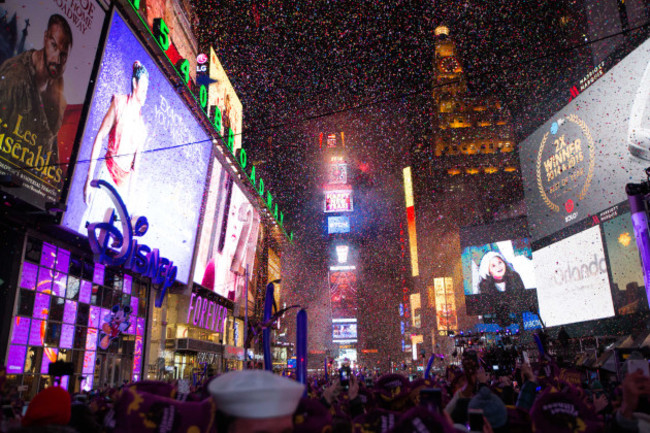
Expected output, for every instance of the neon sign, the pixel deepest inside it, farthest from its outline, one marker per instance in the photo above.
(124, 250)
(160, 32)
(206, 314)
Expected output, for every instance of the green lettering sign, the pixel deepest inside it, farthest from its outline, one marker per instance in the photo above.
(161, 33)
(203, 97)
(135, 4)
(275, 211)
(230, 143)
(260, 189)
(252, 177)
(217, 120)
(183, 65)
(243, 159)
(269, 200)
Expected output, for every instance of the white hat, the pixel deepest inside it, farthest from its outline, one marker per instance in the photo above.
(256, 394)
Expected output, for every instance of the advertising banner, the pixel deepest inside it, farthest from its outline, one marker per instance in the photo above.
(577, 163)
(445, 304)
(344, 331)
(338, 224)
(338, 201)
(142, 139)
(221, 94)
(574, 284)
(343, 293)
(625, 269)
(47, 52)
(231, 245)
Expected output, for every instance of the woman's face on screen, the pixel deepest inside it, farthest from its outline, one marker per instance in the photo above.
(497, 268)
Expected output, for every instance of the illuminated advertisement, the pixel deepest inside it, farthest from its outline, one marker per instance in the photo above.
(625, 269)
(222, 95)
(229, 239)
(41, 111)
(338, 201)
(445, 303)
(337, 174)
(578, 162)
(573, 280)
(338, 224)
(344, 331)
(65, 312)
(343, 292)
(410, 219)
(498, 271)
(142, 140)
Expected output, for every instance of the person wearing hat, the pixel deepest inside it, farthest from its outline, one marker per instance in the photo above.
(255, 401)
(52, 406)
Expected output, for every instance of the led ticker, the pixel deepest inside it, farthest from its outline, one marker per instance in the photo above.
(338, 201)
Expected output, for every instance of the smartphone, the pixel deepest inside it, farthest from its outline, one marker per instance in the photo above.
(475, 420)
(344, 377)
(638, 364)
(431, 398)
(495, 367)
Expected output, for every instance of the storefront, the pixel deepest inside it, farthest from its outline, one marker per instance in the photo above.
(68, 308)
(197, 328)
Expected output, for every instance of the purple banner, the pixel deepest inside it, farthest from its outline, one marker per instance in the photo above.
(89, 363)
(44, 280)
(94, 317)
(21, 330)
(59, 283)
(139, 330)
(49, 354)
(85, 290)
(137, 359)
(48, 255)
(128, 281)
(91, 339)
(28, 279)
(98, 274)
(134, 306)
(63, 261)
(67, 336)
(70, 312)
(16, 359)
(41, 306)
(37, 333)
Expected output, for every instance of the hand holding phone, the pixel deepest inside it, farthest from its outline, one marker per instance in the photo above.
(475, 420)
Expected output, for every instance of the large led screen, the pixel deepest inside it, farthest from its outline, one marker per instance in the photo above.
(338, 224)
(579, 161)
(622, 254)
(498, 272)
(573, 281)
(142, 139)
(338, 201)
(47, 52)
(344, 331)
(228, 239)
(343, 292)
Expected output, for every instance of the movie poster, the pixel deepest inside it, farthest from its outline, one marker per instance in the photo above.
(143, 140)
(47, 52)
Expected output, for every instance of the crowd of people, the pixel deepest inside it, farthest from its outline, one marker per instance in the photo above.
(529, 397)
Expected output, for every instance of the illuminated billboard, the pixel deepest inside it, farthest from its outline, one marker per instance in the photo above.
(142, 139)
(410, 218)
(574, 282)
(337, 174)
(343, 292)
(578, 162)
(344, 331)
(338, 201)
(338, 224)
(41, 112)
(221, 94)
(445, 304)
(61, 308)
(498, 273)
(231, 229)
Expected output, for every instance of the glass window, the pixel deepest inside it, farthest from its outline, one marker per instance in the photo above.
(33, 250)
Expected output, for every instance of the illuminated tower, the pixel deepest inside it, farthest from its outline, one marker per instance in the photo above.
(474, 134)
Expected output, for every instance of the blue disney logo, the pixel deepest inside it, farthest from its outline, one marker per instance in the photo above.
(114, 247)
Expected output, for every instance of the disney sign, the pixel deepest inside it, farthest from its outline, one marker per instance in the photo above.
(114, 247)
